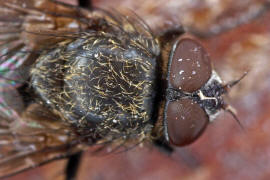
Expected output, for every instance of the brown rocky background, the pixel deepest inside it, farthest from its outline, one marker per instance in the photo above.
(224, 151)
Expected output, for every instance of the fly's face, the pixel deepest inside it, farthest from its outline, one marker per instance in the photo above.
(194, 92)
(82, 77)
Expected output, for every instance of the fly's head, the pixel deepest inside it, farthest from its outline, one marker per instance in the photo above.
(194, 94)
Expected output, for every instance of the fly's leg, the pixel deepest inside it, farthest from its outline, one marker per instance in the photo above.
(73, 166)
(163, 147)
(184, 156)
(85, 4)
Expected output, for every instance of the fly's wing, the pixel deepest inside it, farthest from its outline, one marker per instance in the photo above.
(30, 136)
(33, 138)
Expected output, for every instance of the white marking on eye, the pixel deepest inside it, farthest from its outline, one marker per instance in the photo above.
(181, 72)
(193, 72)
(180, 59)
(195, 49)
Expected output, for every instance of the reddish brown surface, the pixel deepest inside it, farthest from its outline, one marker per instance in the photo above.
(224, 151)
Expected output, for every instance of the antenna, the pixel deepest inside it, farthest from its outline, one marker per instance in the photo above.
(232, 111)
(228, 108)
(233, 83)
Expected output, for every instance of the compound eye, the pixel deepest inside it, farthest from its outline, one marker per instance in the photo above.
(190, 66)
(185, 120)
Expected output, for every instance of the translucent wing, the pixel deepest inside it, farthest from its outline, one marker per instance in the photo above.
(30, 134)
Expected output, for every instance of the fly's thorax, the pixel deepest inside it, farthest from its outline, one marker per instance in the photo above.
(100, 84)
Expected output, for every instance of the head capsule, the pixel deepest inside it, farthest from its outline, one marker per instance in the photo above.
(194, 92)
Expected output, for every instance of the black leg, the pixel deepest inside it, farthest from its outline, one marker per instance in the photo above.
(73, 166)
(163, 147)
(85, 3)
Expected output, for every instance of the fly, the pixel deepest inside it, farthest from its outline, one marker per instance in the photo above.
(73, 78)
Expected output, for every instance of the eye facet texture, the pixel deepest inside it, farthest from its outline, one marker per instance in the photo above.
(190, 66)
(186, 120)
